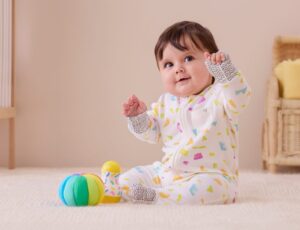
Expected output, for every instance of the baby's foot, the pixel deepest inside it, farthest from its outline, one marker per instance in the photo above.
(141, 194)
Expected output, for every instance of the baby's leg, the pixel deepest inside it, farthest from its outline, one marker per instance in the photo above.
(134, 182)
(209, 188)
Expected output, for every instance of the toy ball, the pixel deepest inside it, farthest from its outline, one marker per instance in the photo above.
(81, 190)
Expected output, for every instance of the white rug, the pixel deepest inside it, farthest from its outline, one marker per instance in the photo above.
(28, 200)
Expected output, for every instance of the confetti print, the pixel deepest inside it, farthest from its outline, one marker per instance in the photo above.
(193, 189)
(198, 156)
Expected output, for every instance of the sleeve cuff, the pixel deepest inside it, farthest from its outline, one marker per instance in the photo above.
(139, 123)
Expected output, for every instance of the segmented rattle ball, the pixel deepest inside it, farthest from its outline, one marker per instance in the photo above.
(81, 190)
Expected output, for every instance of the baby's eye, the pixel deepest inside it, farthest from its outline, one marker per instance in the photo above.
(168, 65)
(188, 58)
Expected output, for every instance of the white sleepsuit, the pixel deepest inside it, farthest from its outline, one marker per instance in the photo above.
(200, 143)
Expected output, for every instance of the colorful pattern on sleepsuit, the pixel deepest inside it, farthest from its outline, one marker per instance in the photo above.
(200, 142)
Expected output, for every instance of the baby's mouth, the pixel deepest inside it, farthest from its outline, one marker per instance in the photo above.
(184, 79)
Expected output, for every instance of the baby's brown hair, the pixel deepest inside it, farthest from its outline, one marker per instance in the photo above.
(200, 36)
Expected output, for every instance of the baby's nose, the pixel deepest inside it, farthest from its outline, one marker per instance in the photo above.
(179, 70)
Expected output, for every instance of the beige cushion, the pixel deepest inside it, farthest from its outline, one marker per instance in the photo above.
(288, 74)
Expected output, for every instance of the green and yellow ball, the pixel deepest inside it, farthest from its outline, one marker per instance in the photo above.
(81, 190)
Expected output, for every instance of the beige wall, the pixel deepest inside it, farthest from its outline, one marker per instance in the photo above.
(78, 60)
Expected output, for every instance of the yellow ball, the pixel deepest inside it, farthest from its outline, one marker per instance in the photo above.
(111, 166)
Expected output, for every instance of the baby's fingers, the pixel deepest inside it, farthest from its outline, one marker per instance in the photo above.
(125, 105)
(218, 58)
(132, 100)
(132, 110)
(125, 109)
(213, 58)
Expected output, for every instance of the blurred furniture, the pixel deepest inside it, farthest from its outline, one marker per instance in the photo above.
(7, 109)
(281, 127)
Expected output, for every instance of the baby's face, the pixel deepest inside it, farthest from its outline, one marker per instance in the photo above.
(184, 72)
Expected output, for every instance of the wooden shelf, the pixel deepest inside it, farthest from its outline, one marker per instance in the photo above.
(6, 113)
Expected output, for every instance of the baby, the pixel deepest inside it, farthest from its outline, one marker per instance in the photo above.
(196, 119)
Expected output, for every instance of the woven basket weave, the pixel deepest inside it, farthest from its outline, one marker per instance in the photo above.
(289, 132)
(285, 48)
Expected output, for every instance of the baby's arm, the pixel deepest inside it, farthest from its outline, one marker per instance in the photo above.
(236, 90)
(140, 123)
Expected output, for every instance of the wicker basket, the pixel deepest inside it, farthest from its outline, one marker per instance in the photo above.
(289, 132)
(285, 48)
(281, 128)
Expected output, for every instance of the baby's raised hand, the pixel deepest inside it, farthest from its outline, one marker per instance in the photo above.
(220, 67)
(133, 107)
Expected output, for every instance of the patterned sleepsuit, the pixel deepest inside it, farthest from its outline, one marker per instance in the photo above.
(200, 143)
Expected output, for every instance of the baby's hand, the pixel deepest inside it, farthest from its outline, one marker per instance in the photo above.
(220, 67)
(133, 107)
(215, 58)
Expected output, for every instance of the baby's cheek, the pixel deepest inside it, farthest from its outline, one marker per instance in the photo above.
(167, 84)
